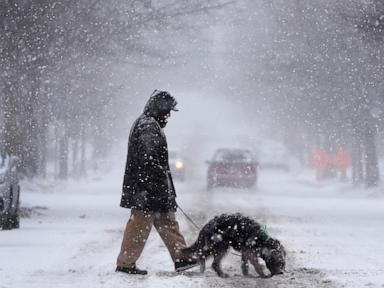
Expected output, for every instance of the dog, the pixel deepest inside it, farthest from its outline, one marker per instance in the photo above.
(242, 234)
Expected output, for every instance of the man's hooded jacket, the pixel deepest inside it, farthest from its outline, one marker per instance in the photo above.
(147, 182)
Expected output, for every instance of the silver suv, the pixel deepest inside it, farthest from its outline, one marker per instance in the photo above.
(9, 193)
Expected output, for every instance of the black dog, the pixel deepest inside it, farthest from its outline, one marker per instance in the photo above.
(242, 234)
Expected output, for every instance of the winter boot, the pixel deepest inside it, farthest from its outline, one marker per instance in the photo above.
(131, 270)
(183, 265)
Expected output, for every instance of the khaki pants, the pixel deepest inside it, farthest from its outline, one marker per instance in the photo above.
(137, 231)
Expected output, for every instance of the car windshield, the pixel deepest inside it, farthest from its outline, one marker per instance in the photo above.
(233, 156)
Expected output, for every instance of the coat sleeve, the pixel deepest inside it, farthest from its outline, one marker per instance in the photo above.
(154, 176)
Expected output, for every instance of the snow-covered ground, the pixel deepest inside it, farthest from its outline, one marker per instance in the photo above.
(333, 234)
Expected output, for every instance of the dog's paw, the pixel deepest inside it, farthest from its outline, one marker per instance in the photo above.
(265, 276)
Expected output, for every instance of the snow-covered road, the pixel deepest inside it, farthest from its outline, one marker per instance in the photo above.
(333, 235)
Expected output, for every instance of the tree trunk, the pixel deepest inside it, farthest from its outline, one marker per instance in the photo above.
(75, 156)
(13, 132)
(82, 171)
(63, 156)
(371, 161)
(357, 160)
(56, 153)
(42, 171)
(30, 144)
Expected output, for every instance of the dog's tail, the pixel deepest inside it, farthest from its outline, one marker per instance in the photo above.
(196, 247)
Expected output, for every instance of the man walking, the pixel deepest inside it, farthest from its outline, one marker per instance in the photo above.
(148, 188)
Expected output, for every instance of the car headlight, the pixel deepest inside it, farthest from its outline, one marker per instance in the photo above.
(179, 164)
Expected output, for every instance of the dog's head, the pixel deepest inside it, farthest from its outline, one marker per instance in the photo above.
(273, 254)
(274, 259)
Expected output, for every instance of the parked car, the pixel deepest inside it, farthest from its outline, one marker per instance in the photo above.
(177, 165)
(232, 167)
(9, 193)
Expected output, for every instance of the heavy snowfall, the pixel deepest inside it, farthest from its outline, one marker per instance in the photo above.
(280, 118)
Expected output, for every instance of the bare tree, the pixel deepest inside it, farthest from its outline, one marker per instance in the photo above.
(48, 52)
(331, 67)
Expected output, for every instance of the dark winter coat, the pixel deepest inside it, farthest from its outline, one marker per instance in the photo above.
(147, 182)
